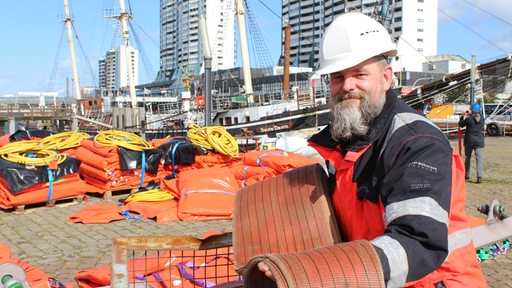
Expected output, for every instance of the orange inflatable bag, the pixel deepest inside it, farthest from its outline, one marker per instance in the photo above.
(206, 194)
(248, 175)
(278, 160)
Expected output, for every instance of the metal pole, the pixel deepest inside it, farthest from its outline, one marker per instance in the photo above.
(208, 92)
(72, 50)
(240, 11)
(126, 37)
(472, 75)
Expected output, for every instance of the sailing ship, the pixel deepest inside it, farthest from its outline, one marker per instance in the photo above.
(302, 107)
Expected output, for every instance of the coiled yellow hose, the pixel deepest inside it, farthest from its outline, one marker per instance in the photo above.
(213, 138)
(30, 153)
(64, 140)
(150, 196)
(122, 139)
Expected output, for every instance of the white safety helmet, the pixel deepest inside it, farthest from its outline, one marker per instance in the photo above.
(353, 38)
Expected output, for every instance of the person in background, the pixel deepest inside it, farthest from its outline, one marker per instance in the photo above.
(473, 139)
(396, 181)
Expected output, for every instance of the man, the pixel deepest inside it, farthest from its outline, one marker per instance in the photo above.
(473, 139)
(398, 183)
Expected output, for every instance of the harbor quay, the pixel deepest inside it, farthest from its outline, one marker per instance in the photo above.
(45, 238)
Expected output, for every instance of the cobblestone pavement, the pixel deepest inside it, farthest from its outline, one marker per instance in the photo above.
(44, 237)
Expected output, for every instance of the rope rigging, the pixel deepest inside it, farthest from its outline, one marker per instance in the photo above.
(148, 68)
(84, 55)
(53, 73)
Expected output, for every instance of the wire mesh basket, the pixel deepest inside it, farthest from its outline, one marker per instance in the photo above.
(172, 261)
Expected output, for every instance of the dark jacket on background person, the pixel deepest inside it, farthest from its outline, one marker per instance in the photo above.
(473, 137)
(394, 186)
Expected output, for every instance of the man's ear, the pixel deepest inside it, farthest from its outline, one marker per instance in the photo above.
(388, 77)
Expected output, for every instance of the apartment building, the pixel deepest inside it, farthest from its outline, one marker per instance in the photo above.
(412, 23)
(181, 44)
(113, 70)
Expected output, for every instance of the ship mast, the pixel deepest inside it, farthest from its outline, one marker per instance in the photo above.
(126, 38)
(246, 65)
(72, 51)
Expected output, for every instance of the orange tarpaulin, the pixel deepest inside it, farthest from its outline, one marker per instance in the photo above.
(67, 186)
(162, 211)
(97, 214)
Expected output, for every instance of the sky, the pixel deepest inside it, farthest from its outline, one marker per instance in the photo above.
(35, 54)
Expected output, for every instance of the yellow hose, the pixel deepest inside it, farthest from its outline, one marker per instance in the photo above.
(64, 140)
(213, 138)
(122, 139)
(30, 153)
(150, 196)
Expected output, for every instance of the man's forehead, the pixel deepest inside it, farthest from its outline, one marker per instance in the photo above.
(358, 68)
(364, 66)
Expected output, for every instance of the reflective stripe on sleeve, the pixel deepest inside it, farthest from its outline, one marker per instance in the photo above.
(459, 239)
(397, 260)
(424, 206)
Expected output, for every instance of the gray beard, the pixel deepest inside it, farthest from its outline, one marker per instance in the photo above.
(351, 121)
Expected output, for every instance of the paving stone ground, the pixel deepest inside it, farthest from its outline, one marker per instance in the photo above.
(44, 237)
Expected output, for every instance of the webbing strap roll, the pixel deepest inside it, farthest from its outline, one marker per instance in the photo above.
(351, 264)
(290, 212)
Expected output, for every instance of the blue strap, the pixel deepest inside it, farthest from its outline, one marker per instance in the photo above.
(199, 282)
(143, 168)
(173, 152)
(144, 278)
(129, 216)
(50, 184)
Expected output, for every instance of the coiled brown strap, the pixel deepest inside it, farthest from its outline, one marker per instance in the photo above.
(290, 212)
(352, 264)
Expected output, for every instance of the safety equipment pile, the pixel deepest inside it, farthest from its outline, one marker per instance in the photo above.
(34, 171)
(117, 160)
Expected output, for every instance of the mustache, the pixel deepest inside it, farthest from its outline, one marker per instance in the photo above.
(351, 95)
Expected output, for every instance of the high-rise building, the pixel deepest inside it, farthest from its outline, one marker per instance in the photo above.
(113, 70)
(412, 23)
(181, 48)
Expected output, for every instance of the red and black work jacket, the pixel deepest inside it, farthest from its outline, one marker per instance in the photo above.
(401, 187)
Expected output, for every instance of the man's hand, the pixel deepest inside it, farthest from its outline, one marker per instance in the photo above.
(264, 268)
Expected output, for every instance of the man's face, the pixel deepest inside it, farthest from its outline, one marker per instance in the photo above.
(358, 95)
